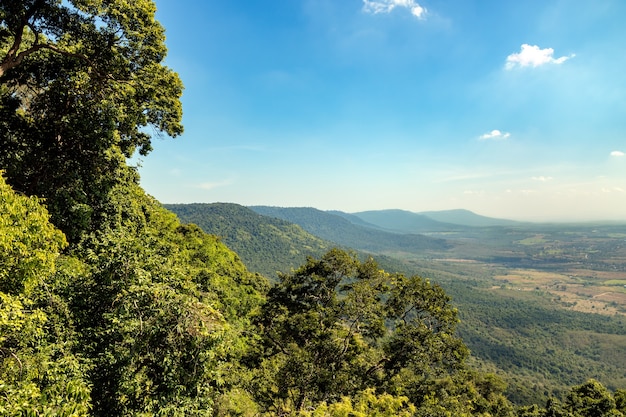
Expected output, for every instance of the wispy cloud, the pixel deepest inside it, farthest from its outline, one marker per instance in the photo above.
(495, 135)
(211, 185)
(474, 192)
(533, 56)
(619, 154)
(386, 6)
(542, 178)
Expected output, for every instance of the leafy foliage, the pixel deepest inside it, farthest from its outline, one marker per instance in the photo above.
(365, 404)
(161, 310)
(79, 82)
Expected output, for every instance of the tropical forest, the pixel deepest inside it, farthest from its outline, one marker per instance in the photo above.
(113, 304)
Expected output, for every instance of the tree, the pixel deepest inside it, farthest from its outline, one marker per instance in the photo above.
(591, 399)
(464, 393)
(620, 400)
(337, 326)
(80, 80)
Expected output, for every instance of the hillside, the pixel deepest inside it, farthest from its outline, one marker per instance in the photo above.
(338, 229)
(265, 244)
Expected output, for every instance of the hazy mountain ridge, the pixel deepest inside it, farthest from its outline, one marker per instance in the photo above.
(467, 218)
(337, 228)
(354, 219)
(404, 221)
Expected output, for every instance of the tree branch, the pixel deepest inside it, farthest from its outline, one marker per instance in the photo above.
(376, 366)
(277, 344)
(12, 58)
(16, 358)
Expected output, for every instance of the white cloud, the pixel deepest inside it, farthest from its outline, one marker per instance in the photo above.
(542, 178)
(386, 6)
(617, 153)
(495, 135)
(531, 55)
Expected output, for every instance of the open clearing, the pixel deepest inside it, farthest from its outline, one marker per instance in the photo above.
(581, 290)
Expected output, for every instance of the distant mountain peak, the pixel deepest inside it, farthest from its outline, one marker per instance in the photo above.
(467, 218)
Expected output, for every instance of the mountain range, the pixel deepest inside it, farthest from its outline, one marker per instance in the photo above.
(353, 231)
(277, 239)
(429, 221)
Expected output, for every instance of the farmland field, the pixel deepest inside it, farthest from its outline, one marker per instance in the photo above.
(580, 267)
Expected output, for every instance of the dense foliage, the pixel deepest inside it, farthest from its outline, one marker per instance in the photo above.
(110, 306)
(40, 373)
(144, 316)
(339, 328)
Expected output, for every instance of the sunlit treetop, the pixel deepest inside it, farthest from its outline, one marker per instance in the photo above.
(111, 50)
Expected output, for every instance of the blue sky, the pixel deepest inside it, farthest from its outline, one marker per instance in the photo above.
(513, 109)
